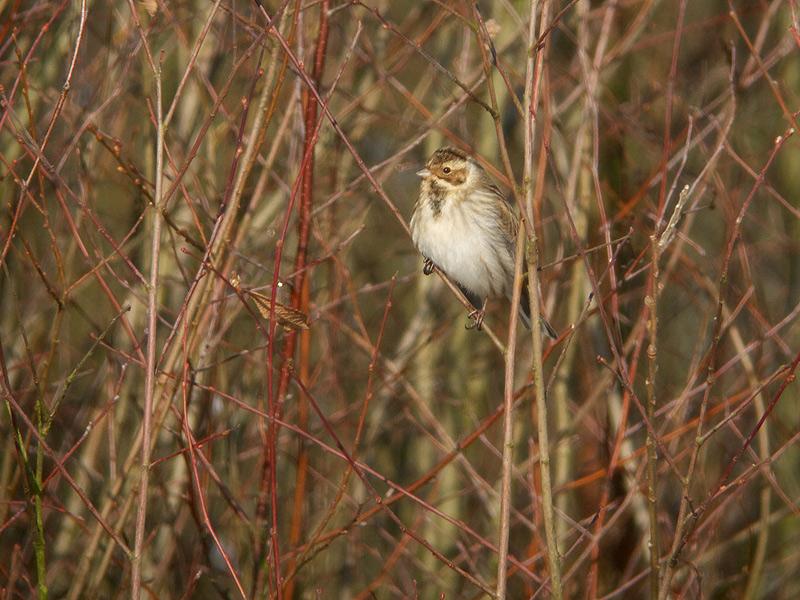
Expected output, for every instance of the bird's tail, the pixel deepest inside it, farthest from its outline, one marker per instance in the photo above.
(525, 313)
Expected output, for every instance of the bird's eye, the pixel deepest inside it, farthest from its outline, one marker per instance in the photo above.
(446, 170)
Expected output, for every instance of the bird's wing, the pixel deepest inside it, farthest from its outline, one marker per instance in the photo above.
(509, 222)
(510, 226)
(506, 213)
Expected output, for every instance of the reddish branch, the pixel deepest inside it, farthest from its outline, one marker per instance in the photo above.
(301, 288)
(299, 300)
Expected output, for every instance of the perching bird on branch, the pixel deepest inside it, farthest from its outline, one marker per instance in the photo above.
(463, 224)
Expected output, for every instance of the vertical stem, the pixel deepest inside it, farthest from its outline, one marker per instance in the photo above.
(651, 300)
(150, 375)
(548, 512)
(299, 300)
(508, 424)
(532, 76)
(43, 419)
(39, 545)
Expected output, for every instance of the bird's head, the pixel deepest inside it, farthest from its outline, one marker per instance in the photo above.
(450, 168)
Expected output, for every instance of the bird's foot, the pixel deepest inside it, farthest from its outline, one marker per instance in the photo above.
(427, 267)
(476, 317)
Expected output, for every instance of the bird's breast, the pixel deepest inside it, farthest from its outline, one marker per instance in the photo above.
(461, 237)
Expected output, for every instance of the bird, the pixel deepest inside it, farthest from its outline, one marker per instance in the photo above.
(463, 224)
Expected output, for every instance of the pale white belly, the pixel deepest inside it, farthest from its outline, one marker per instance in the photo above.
(470, 250)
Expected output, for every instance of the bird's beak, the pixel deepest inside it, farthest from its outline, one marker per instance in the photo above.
(423, 173)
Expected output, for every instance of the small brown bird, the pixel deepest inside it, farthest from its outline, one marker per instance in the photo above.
(463, 224)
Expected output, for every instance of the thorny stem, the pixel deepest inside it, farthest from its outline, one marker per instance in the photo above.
(651, 300)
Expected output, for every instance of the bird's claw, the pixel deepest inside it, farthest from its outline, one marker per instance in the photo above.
(476, 316)
(427, 267)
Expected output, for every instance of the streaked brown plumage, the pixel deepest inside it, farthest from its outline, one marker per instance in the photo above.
(464, 225)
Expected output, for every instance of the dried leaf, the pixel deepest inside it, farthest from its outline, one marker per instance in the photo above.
(285, 315)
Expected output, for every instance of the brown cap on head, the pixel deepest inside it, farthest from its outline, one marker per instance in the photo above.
(442, 155)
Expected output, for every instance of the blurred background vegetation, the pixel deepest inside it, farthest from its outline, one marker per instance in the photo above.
(350, 447)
